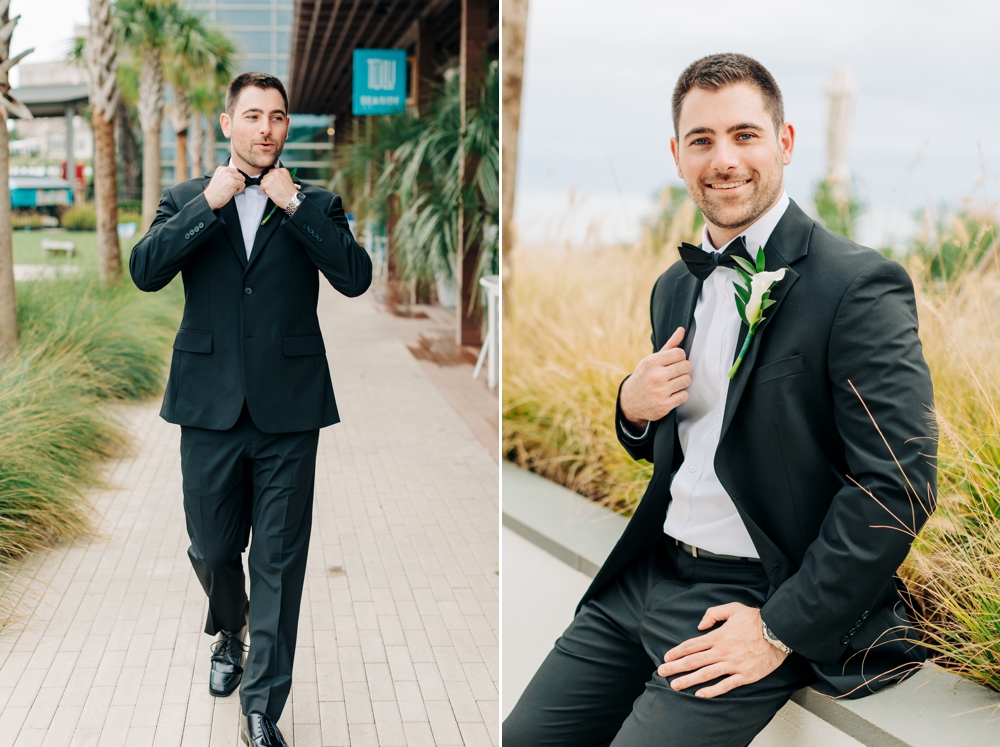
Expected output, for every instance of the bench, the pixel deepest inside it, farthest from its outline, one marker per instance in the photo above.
(931, 708)
(51, 246)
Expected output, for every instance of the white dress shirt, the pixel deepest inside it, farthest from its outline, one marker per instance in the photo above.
(250, 204)
(701, 512)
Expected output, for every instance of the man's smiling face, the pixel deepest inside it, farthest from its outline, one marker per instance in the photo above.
(257, 128)
(729, 156)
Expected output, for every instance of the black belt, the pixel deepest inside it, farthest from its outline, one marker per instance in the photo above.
(697, 552)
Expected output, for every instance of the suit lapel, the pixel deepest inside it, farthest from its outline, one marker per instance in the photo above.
(788, 242)
(230, 218)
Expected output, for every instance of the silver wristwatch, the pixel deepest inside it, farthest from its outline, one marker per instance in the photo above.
(773, 640)
(294, 203)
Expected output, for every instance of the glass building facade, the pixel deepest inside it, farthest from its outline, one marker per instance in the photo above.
(262, 31)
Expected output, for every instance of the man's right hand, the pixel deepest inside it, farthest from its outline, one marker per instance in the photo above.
(658, 384)
(226, 182)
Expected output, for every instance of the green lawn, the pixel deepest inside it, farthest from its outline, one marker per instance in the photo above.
(28, 248)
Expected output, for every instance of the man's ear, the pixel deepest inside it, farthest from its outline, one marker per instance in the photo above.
(675, 152)
(786, 139)
(225, 122)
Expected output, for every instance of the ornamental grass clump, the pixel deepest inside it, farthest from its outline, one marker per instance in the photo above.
(81, 345)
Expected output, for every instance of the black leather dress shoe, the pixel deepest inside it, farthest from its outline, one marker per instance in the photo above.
(228, 659)
(258, 730)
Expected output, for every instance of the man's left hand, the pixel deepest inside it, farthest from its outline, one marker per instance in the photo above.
(737, 649)
(278, 185)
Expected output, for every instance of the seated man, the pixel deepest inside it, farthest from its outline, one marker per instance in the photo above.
(792, 463)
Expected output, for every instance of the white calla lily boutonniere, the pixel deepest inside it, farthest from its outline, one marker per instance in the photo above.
(752, 300)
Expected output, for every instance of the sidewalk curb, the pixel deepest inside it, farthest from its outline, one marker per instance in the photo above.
(930, 709)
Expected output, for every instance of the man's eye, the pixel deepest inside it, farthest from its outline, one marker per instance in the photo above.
(700, 141)
(745, 136)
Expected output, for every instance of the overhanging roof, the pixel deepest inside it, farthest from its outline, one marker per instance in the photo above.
(51, 101)
(325, 34)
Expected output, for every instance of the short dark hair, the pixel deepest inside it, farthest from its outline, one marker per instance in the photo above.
(720, 70)
(257, 80)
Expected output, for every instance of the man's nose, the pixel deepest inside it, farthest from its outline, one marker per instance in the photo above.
(724, 156)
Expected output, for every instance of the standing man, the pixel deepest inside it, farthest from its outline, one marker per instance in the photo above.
(249, 384)
(784, 495)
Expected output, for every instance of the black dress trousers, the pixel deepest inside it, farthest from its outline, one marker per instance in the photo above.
(237, 481)
(599, 686)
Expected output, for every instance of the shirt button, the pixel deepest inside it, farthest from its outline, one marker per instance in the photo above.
(692, 468)
(680, 511)
(248, 290)
(712, 358)
(718, 416)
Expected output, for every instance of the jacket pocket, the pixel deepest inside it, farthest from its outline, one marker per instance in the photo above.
(779, 369)
(294, 345)
(193, 341)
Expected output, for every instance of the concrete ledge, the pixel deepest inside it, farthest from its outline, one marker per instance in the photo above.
(930, 709)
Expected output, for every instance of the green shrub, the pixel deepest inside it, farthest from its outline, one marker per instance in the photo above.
(26, 219)
(129, 217)
(80, 218)
(81, 344)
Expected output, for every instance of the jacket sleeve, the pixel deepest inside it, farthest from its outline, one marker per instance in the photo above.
(882, 404)
(323, 231)
(174, 236)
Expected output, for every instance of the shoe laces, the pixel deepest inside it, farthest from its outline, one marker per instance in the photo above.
(228, 647)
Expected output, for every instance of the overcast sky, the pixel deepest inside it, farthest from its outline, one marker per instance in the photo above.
(46, 25)
(598, 80)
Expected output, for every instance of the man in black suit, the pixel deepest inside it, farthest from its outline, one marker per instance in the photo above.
(784, 496)
(249, 384)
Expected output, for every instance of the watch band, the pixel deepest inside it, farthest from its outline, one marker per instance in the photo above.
(294, 203)
(773, 640)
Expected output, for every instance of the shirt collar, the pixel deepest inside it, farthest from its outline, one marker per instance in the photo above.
(756, 233)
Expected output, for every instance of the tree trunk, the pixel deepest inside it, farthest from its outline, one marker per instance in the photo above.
(515, 21)
(181, 157)
(8, 304)
(151, 187)
(128, 151)
(196, 132)
(151, 119)
(209, 159)
(106, 199)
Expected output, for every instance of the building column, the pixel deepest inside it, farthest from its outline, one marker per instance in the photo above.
(426, 73)
(472, 51)
(70, 150)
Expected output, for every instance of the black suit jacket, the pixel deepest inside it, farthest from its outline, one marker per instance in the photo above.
(799, 454)
(249, 330)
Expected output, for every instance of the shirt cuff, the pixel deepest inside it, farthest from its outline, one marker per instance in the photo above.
(632, 436)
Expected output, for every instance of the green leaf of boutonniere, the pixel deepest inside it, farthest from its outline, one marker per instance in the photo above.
(742, 308)
(760, 259)
(749, 268)
(743, 293)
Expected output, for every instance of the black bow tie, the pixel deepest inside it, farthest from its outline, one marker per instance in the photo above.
(701, 263)
(254, 181)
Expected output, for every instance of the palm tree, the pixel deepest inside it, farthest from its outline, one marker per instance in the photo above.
(145, 28)
(199, 56)
(101, 54)
(8, 105)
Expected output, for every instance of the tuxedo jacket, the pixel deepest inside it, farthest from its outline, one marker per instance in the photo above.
(249, 331)
(827, 450)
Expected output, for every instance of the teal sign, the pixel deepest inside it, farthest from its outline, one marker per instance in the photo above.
(379, 81)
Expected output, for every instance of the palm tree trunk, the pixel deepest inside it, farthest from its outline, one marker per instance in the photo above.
(197, 135)
(181, 157)
(8, 304)
(208, 158)
(150, 119)
(102, 67)
(106, 199)
(515, 20)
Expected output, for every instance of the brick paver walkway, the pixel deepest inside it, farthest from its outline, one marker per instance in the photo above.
(399, 628)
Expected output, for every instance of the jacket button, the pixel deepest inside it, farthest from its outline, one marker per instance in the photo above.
(187, 235)
(864, 614)
(248, 290)
(845, 640)
(201, 225)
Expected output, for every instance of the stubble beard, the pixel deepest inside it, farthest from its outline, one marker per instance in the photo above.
(764, 195)
(258, 160)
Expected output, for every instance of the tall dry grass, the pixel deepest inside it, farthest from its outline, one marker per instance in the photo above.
(81, 345)
(579, 322)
